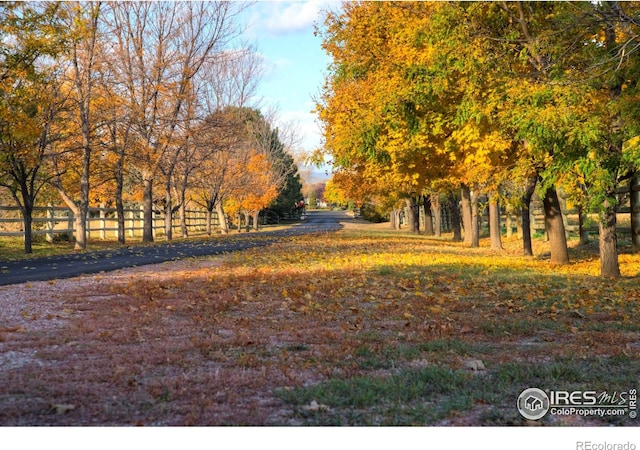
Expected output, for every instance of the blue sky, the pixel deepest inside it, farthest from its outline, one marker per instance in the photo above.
(294, 63)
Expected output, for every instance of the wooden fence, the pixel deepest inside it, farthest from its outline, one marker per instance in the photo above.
(102, 223)
(512, 221)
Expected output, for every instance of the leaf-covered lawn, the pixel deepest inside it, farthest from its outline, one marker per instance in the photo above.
(360, 327)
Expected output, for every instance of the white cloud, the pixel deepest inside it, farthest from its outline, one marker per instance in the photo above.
(285, 17)
(274, 67)
(293, 17)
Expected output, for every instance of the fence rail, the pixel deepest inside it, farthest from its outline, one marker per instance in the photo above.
(102, 223)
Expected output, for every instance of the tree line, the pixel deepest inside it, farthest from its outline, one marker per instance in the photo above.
(454, 101)
(114, 102)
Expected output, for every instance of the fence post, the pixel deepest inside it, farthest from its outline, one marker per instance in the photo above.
(132, 223)
(117, 232)
(141, 222)
(103, 223)
(87, 223)
(153, 222)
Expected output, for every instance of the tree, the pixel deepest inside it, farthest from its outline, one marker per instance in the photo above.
(374, 126)
(84, 59)
(218, 138)
(614, 162)
(224, 86)
(545, 96)
(334, 195)
(30, 100)
(582, 53)
(275, 145)
(119, 142)
(268, 165)
(161, 47)
(290, 196)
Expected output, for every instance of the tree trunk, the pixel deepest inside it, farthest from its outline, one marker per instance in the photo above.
(26, 208)
(27, 220)
(79, 219)
(168, 212)
(526, 215)
(120, 207)
(582, 230)
(634, 195)
(247, 216)
(222, 218)
(183, 219)
(609, 266)
(455, 217)
(83, 84)
(555, 227)
(475, 220)
(181, 193)
(398, 216)
(494, 223)
(428, 215)
(393, 220)
(466, 214)
(147, 211)
(28, 234)
(509, 222)
(414, 217)
(83, 203)
(80, 228)
(437, 214)
(209, 218)
(256, 217)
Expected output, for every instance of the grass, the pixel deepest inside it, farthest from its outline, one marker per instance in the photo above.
(12, 248)
(428, 395)
(360, 327)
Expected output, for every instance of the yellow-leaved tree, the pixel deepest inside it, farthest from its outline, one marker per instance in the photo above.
(33, 35)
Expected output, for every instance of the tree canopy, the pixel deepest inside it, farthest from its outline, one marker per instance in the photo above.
(426, 96)
(108, 102)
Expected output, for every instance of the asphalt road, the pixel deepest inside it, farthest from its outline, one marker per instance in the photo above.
(67, 266)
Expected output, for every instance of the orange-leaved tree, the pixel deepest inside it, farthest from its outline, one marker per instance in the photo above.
(254, 189)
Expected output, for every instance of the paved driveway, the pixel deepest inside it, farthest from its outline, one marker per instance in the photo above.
(66, 266)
